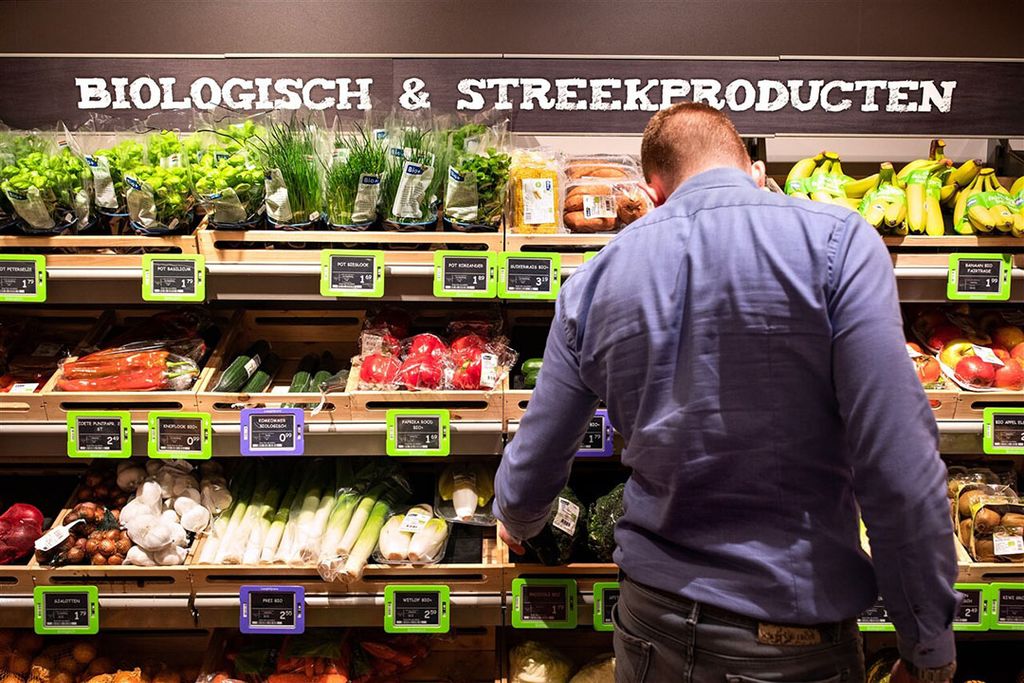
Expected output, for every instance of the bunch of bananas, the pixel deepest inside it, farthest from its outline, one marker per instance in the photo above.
(885, 207)
(986, 206)
(821, 179)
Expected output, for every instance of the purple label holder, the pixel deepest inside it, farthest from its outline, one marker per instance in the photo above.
(272, 609)
(599, 441)
(272, 431)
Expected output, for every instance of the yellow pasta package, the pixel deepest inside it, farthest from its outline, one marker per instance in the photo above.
(535, 192)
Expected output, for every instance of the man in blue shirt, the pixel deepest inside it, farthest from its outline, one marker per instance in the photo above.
(749, 348)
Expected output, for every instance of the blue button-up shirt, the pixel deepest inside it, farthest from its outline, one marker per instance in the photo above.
(750, 349)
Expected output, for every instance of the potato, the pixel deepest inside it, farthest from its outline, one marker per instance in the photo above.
(62, 677)
(984, 550)
(631, 205)
(11, 678)
(576, 222)
(986, 520)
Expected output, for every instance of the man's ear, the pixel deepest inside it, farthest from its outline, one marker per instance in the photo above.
(758, 172)
(655, 190)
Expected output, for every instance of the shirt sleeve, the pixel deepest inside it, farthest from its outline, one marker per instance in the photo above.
(536, 464)
(900, 480)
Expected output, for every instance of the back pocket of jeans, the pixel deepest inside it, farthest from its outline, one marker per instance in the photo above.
(731, 678)
(632, 654)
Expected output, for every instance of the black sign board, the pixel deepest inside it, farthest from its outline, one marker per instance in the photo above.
(18, 277)
(528, 275)
(174, 277)
(271, 431)
(66, 610)
(353, 272)
(180, 434)
(611, 598)
(418, 609)
(593, 439)
(417, 432)
(272, 609)
(466, 273)
(1011, 606)
(1008, 430)
(970, 610)
(876, 614)
(98, 434)
(979, 276)
(544, 603)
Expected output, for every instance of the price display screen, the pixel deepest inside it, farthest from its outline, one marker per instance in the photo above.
(353, 272)
(1011, 606)
(99, 434)
(418, 432)
(272, 609)
(524, 275)
(611, 597)
(593, 440)
(978, 277)
(877, 614)
(272, 432)
(466, 273)
(545, 603)
(970, 610)
(174, 277)
(416, 609)
(18, 278)
(66, 610)
(1003, 430)
(180, 434)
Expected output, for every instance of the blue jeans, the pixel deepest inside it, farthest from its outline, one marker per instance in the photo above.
(660, 638)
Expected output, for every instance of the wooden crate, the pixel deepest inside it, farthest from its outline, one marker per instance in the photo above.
(291, 334)
(972, 404)
(138, 403)
(286, 246)
(986, 572)
(943, 403)
(953, 242)
(73, 327)
(114, 580)
(570, 246)
(485, 577)
(585, 573)
(477, 406)
(98, 251)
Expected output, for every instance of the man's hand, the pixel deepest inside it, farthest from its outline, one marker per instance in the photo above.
(514, 544)
(901, 675)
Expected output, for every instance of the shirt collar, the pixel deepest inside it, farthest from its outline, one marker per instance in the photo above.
(715, 177)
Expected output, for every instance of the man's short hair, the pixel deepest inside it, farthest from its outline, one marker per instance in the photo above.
(687, 138)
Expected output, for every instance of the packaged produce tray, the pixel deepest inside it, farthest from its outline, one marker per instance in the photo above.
(986, 572)
(138, 403)
(97, 250)
(287, 246)
(291, 335)
(50, 330)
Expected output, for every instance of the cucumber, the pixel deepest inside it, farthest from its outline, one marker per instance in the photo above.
(260, 380)
(328, 367)
(304, 375)
(531, 368)
(242, 367)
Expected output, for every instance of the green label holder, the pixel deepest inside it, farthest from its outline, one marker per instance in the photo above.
(990, 441)
(125, 451)
(552, 269)
(392, 598)
(997, 591)
(876, 626)
(587, 255)
(396, 418)
(154, 449)
(957, 291)
(603, 610)
(984, 597)
(378, 269)
(92, 607)
(520, 587)
(488, 292)
(198, 273)
(18, 280)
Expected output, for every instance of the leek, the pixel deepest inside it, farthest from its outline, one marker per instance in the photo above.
(359, 519)
(241, 491)
(357, 558)
(233, 545)
(302, 517)
(273, 537)
(261, 526)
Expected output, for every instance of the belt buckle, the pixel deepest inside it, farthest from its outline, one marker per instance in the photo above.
(776, 634)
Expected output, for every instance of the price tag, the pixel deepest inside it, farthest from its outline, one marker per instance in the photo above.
(66, 610)
(544, 603)
(1007, 607)
(22, 278)
(529, 276)
(419, 432)
(587, 255)
(875, 618)
(599, 439)
(99, 434)
(979, 277)
(465, 274)
(272, 431)
(173, 277)
(187, 436)
(1003, 431)
(272, 609)
(352, 273)
(970, 616)
(417, 609)
(606, 595)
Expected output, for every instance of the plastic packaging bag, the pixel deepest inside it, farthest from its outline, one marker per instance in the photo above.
(356, 167)
(607, 166)
(140, 366)
(47, 185)
(477, 180)
(158, 192)
(419, 153)
(465, 493)
(601, 205)
(535, 192)
(228, 175)
(412, 536)
(531, 662)
(292, 173)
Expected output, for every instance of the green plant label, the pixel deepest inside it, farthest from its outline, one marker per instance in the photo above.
(544, 603)
(606, 595)
(22, 278)
(875, 618)
(1003, 431)
(350, 273)
(417, 609)
(1007, 607)
(465, 274)
(66, 610)
(529, 276)
(418, 432)
(173, 277)
(186, 436)
(979, 277)
(99, 434)
(970, 615)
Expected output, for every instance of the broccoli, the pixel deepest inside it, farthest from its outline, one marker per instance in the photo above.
(604, 515)
(566, 526)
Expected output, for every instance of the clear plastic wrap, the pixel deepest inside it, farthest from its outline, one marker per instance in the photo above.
(603, 205)
(414, 184)
(412, 536)
(356, 165)
(465, 493)
(608, 166)
(536, 184)
(227, 173)
(477, 180)
(140, 366)
(293, 173)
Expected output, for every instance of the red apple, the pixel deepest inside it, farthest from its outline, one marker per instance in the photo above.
(1017, 352)
(975, 372)
(927, 369)
(1010, 376)
(1001, 353)
(1008, 336)
(944, 334)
